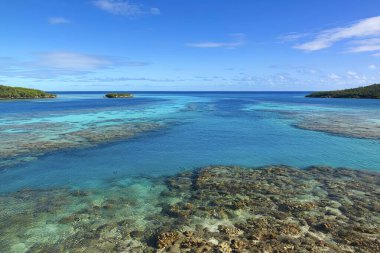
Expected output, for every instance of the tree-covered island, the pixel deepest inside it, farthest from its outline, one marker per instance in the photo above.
(9, 92)
(371, 91)
(119, 95)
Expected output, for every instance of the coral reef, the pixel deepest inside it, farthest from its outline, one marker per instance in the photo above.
(346, 126)
(23, 144)
(353, 123)
(282, 209)
(213, 209)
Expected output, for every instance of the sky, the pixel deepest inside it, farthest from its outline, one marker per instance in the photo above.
(237, 45)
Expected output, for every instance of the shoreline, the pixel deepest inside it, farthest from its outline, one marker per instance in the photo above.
(25, 98)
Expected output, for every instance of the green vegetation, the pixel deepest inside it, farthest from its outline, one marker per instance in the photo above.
(119, 95)
(371, 91)
(8, 92)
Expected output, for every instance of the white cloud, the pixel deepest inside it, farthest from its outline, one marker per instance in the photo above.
(327, 38)
(123, 7)
(334, 76)
(366, 45)
(372, 66)
(313, 71)
(70, 60)
(352, 73)
(351, 78)
(292, 37)
(109, 79)
(58, 21)
(155, 11)
(53, 64)
(238, 40)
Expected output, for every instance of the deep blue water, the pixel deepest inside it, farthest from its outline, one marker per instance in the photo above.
(201, 128)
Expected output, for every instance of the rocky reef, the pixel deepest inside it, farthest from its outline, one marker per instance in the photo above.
(213, 209)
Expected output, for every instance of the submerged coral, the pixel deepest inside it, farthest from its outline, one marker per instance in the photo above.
(344, 125)
(22, 145)
(213, 209)
(353, 123)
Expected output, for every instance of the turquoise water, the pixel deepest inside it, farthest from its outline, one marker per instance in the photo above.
(194, 130)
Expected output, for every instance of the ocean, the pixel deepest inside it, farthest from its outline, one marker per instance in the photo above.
(126, 149)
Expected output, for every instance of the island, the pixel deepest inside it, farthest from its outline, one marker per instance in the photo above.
(119, 95)
(9, 92)
(371, 91)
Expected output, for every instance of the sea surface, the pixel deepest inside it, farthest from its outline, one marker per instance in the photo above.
(198, 129)
(83, 141)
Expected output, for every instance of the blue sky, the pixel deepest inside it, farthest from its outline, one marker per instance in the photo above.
(189, 45)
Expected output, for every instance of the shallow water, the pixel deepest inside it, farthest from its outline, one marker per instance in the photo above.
(195, 129)
(120, 148)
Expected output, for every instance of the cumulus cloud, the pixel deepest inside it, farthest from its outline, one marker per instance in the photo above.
(123, 7)
(58, 21)
(238, 40)
(327, 38)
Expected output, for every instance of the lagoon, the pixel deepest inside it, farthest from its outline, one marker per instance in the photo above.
(108, 148)
(195, 129)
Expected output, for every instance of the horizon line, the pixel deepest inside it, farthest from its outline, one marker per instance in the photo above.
(178, 91)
